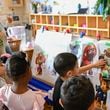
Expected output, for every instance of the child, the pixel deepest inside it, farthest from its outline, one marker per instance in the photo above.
(66, 65)
(77, 93)
(17, 96)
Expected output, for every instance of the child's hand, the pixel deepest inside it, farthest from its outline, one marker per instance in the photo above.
(100, 63)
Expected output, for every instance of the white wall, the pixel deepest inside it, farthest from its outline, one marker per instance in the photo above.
(70, 6)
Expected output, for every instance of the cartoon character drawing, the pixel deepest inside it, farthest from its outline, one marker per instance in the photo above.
(40, 59)
(88, 55)
(101, 95)
(75, 48)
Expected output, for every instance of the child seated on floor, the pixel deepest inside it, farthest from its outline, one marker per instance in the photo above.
(17, 96)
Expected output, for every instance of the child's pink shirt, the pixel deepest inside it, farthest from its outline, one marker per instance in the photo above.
(30, 100)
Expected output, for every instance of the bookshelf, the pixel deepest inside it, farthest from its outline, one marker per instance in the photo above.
(90, 24)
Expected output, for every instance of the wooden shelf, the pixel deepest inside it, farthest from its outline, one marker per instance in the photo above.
(91, 24)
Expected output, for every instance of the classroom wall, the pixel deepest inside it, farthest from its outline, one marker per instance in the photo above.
(64, 7)
(71, 6)
(6, 11)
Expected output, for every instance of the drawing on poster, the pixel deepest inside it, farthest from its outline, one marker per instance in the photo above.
(39, 60)
(75, 48)
(89, 54)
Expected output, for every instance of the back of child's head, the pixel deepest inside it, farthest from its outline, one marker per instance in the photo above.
(17, 65)
(77, 93)
(64, 62)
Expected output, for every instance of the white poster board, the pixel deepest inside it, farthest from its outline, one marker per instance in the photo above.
(49, 44)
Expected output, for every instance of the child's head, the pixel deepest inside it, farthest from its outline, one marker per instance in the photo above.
(104, 85)
(66, 64)
(77, 93)
(18, 68)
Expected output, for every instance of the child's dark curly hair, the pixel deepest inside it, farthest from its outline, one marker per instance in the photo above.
(17, 65)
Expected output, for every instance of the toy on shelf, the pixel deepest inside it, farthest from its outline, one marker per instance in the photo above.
(82, 34)
(98, 37)
(84, 25)
(38, 21)
(46, 28)
(75, 25)
(51, 20)
(42, 29)
(68, 30)
(56, 29)
(33, 20)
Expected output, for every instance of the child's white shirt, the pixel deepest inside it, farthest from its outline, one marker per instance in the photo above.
(30, 100)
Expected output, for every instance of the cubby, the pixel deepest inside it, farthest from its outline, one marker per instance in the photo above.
(56, 20)
(64, 20)
(82, 21)
(43, 20)
(72, 21)
(33, 19)
(102, 24)
(38, 19)
(91, 33)
(90, 24)
(49, 19)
